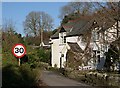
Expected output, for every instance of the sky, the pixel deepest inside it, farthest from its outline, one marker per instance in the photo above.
(0, 14)
(17, 12)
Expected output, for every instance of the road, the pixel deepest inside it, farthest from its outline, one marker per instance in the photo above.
(53, 79)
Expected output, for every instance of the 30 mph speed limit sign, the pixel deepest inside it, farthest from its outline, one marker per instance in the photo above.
(19, 50)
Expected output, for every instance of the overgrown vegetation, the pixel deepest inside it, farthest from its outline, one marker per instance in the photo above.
(36, 40)
(10, 38)
(90, 77)
(113, 53)
(28, 74)
(37, 56)
(23, 76)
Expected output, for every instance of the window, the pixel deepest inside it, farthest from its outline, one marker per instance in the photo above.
(62, 38)
(95, 36)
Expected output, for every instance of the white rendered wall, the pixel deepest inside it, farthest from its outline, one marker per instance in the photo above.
(78, 40)
(73, 39)
(55, 52)
(58, 49)
(63, 50)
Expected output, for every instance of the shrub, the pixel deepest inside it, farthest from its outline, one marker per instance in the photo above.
(63, 71)
(44, 55)
(8, 58)
(14, 76)
(43, 65)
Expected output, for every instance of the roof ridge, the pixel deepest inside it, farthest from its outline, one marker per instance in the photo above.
(78, 18)
(74, 20)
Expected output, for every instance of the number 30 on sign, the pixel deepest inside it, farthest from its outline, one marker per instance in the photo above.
(19, 50)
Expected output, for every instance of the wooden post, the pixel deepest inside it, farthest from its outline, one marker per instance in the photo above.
(41, 35)
(19, 61)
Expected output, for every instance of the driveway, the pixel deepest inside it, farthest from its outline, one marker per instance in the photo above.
(53, 79)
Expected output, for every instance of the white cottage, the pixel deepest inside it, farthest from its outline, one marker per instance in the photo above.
(69, 34)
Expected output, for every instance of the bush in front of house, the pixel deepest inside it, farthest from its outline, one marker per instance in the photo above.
(44, 55)
(43, 65)
(39, 57)
(63, 71)
(93, 78)
(114, 80)
(96, 79)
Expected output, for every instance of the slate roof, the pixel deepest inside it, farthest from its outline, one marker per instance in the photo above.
(100, 22)
(75, 47)
(83, 25)
(103, 22)
(56, 35)
(62, 30)
(72, 28)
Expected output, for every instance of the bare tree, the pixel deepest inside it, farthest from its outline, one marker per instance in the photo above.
(45, 23)
(84, 8)
(36, 23)
(8, 26)
(107, 14)
(31, 23)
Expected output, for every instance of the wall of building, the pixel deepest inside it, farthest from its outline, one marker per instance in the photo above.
(73, 39)
(62, 54)
(78, 40)
(58, 50)
(102, 44)
(55, 52)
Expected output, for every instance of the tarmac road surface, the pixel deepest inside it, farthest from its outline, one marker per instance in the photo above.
(53, 79)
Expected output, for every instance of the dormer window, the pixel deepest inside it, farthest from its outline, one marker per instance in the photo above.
(62, 36)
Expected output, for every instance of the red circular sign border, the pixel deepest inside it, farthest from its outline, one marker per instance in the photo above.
(15, 54)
